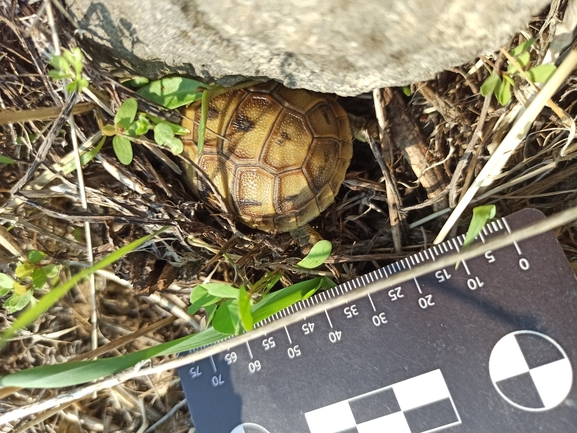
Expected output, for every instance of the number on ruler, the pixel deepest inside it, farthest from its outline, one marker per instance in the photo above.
(335, 336)
(308, 328)
(380, 319)
(254, 366)
(230, 358)
(351, 311)
(489, 256)
(474, 283)
(216, 381)
(426, 301)
(442, 275)
(194, 372)
(268, 343)
(294, 352)
(395, 294)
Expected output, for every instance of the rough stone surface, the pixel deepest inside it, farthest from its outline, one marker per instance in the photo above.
(338, 46)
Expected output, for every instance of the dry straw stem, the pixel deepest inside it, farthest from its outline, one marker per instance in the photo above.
(10, 116)
(511, 141)
(560, 219)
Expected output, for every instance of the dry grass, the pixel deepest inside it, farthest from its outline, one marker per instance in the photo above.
(383, 213)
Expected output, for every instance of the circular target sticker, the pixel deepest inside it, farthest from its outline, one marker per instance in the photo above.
(530, 371)
(249, 427)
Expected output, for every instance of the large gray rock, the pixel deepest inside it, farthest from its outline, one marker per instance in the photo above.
(338, 46)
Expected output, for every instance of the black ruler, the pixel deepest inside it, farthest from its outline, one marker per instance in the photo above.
(488, 347)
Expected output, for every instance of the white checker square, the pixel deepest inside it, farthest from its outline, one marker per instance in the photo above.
(421, 390)
(395, 422)
(553, 381)
(507, 360)
(331, 419)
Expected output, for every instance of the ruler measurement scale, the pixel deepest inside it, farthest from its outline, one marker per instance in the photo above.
(379, 342)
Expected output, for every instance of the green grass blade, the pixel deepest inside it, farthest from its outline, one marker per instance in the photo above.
(283, 298)
(202, 123)
(245, 309)
(48, 300)
(481, 214)
(75, 373)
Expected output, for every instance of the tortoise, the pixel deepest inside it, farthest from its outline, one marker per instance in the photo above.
(277, 156)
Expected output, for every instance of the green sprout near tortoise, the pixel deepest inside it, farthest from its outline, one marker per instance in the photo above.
(129, 125)
(501, 85)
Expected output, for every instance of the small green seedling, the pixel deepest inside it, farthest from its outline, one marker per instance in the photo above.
(30, 275)
(481, 215)
(501, 85)
(229, 309)
(127, 127)
(69, 66)
(6, 160)
(176, 92)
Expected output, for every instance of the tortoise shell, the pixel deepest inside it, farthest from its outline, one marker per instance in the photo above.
(277, 156)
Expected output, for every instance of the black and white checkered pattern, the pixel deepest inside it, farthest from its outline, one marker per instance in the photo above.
(416, 405)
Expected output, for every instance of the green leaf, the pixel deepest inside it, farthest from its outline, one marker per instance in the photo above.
(407, 90)
(38, 278)
(173, 92)
(4, 291)
(6, 160)
(245, 309)
(490, 84)
(59, 62)
(317, 256)
(221, 289)
(82, 83)
(109, 130)
(74, 57)
(6, 281)
(142, 125)
(35, 256)
(503, 92)
(136, 82)
(175, 145)
(281, 299)
(210, 310)
(20, 288)
(523, 60)
(200, 298)
(17, 302)
(55, 74)
(162, 133)
(51, 270)
(56, 293)
(541, 73)
(122, 148)
(481, 214)
(85, 158)
(521, 48)
(176, 128)
(126, 113)
(24, 270)
(227, 319)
